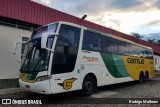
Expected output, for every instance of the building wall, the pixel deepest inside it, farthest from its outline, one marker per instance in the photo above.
(9, 64)
(157, 63)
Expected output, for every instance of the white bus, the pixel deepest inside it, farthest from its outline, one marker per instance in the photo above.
(62, 57)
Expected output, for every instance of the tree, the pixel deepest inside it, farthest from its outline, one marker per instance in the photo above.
(158, 42)
(154, 42)
(151, 41)
(136, 35)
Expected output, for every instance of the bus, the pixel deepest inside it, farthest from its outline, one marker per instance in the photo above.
(62, 57)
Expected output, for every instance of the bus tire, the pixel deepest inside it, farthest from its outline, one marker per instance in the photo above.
(88, 86)
(146, 76)
(141, 77)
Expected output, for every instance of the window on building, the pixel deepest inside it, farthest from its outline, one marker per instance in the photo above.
(155, 61)
(24, 39)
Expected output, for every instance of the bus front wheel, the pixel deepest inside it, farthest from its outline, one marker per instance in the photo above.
(88, 86)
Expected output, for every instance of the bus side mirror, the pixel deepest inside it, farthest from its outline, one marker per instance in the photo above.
(44, 40)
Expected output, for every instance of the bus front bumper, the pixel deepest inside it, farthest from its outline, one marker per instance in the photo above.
(42, 87)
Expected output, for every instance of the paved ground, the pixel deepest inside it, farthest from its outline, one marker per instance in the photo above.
(107, 94)
(10, 90)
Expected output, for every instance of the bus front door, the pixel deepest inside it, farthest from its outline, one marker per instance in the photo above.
(64, 70)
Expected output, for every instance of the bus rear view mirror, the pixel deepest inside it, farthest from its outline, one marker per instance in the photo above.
(44, 40)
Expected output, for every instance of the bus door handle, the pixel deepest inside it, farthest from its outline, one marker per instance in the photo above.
(57, 79)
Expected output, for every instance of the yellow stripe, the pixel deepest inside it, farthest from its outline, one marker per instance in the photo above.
(23, 77)
(125, 40)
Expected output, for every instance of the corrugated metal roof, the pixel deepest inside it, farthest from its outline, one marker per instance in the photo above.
(28, 11)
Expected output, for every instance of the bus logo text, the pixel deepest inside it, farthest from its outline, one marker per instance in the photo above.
(90, 59)
(136, 61)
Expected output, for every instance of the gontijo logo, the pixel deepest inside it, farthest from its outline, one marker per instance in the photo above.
(67, 84)
(135, 60)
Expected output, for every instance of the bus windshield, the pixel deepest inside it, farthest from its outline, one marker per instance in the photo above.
(36, 59)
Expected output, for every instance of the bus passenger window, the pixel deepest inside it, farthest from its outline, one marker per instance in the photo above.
(66, 50)
(140, 52)
(133, 50)
(148, 54)
(109, 45)
(69, 35)
(122, 48)
(91, 41)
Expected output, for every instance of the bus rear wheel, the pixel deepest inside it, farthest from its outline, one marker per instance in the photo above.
(88, 86)
(141, 77)
(146, 76)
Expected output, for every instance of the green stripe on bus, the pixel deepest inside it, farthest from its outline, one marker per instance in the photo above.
(120, 65)
(109, 62)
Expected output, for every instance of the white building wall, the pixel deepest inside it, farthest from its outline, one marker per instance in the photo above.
(9, 65)
(157, 62)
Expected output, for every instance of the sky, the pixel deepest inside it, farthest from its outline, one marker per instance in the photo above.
(140, 16)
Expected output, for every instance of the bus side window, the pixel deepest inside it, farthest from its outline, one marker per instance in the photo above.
(148, 54)
(122, 48)
(91, 41)
(69, 35)
(141, 53)
(66, 50)
(109, 45)
(133, 50)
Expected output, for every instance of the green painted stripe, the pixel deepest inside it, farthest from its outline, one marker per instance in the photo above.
(120, 65)
(109, 62)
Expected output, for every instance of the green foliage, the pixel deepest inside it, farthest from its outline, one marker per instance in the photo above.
(136, 35)
(154, 42)
(151, 41)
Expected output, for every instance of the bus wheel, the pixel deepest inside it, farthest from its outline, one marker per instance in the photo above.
(146, 76)
(141, 77)
(88, 86)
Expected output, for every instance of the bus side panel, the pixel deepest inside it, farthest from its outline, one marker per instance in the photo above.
(90, 62)
(114, 69)
(135, 65)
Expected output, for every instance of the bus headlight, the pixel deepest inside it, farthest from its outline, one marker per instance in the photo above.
(42, 78)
